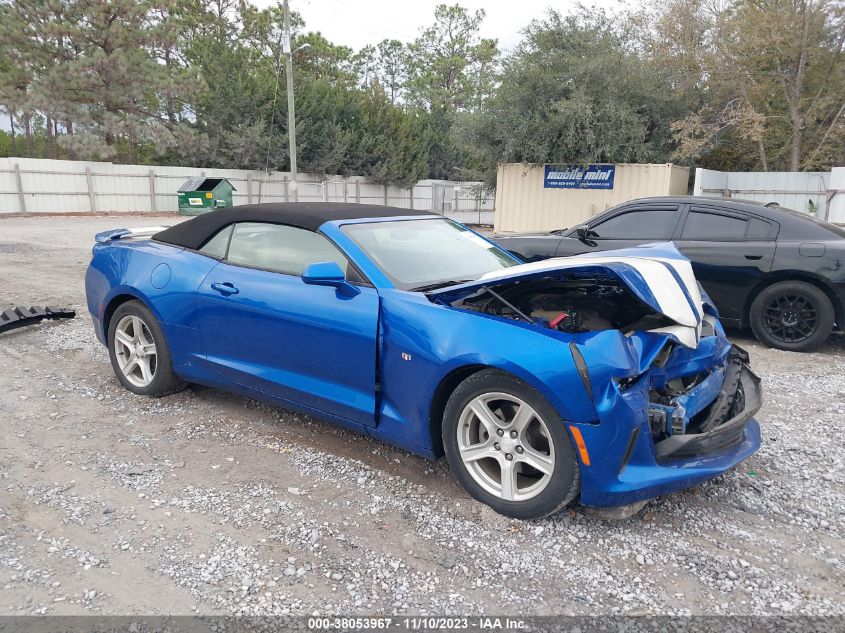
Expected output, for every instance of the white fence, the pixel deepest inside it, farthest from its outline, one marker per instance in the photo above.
(32, 185)
(816, 192)
(836, 195)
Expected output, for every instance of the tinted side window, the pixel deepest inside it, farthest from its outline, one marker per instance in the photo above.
(217, 245)
(653, 224)
(280, 248)
(758, 229)
(713, 226)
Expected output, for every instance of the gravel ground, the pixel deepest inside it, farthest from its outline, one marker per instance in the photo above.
(204, 502)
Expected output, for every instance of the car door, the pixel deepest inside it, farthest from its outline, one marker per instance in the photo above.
(730, 251)
(264, 328)
(630, 226)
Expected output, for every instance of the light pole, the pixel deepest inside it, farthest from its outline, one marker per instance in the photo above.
(291, 110)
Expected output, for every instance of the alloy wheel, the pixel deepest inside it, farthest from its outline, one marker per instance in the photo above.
(505, 446)
(791, 318)
(135, 350)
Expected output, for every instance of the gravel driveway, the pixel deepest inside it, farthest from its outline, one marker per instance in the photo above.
(204, 502)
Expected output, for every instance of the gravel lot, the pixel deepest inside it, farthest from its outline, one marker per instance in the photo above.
(204, 502)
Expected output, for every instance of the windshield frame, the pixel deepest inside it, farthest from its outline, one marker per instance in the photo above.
(419, 286)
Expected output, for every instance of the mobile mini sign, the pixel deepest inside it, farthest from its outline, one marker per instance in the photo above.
(579, 176)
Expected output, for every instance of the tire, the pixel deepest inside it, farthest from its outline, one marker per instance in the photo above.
(792, 315)
(480, 458)
(136, 342)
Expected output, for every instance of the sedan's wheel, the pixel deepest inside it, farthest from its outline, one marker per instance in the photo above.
(508, 446)
(139, 354)
(792, 315)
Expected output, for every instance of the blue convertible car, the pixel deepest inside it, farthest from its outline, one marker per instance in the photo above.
(605, 376)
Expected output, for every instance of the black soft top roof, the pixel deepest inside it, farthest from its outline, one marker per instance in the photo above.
(195, 232)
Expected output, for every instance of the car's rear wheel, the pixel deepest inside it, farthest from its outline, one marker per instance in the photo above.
(508, 447)
(139, 353)
(792, 315)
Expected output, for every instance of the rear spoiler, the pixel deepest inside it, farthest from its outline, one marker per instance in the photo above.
(126, 234)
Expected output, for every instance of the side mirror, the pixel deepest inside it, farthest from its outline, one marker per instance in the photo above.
(582, 231)
(328, 274)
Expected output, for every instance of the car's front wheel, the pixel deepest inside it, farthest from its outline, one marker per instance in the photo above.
(792, 315)
(508, 447)
(139, 353)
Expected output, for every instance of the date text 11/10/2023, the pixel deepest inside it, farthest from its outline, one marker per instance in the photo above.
(416, 623)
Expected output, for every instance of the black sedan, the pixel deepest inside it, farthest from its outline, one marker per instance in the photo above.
(778, 271)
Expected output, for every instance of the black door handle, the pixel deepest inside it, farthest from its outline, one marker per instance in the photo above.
(225, 289)
(753, 257)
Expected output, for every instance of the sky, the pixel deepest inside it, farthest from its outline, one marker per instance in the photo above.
(356, 23)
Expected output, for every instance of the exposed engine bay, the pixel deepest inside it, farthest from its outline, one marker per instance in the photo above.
(570, 305)
(680, 401)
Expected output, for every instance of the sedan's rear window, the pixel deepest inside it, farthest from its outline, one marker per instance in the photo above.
(713, 226)
(833, 228)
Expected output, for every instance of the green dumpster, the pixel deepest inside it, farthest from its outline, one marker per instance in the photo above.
(201, 195)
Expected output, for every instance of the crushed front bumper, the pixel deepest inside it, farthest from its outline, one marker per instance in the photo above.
(720, 437)
(627, 465)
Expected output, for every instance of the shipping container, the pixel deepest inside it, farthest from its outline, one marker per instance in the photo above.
(548, 197)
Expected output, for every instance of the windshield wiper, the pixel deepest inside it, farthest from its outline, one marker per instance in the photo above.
(440, 284)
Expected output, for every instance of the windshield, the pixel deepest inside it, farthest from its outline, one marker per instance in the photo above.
(425, 254)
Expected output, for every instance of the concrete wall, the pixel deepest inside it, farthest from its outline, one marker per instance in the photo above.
(31, 185)
(523, 204)
(801, 191)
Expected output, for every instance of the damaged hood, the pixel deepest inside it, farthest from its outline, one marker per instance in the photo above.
(658, 274)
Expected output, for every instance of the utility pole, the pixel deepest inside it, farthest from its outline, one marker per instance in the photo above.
(291, 111)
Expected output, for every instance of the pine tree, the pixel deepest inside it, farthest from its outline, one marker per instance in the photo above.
(17, 72)
(112, 85)
(391, 65)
